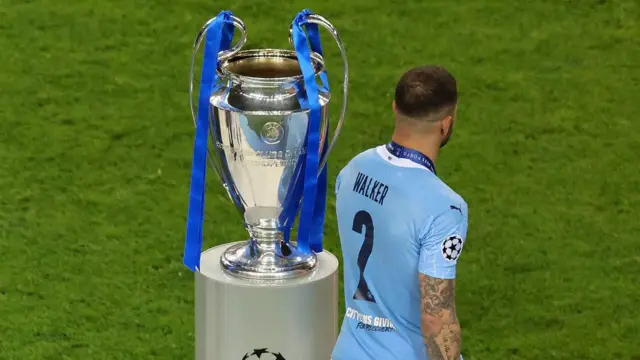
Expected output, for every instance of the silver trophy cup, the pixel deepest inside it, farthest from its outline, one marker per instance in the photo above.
(257, 133)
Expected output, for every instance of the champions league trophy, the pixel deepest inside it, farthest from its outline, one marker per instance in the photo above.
(266, 117)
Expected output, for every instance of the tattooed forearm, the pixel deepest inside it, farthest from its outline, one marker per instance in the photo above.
(440, 327)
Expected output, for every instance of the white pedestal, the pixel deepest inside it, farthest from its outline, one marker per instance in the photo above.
(290, 319)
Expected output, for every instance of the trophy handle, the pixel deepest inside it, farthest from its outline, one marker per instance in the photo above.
(319, 20)
(222, 55)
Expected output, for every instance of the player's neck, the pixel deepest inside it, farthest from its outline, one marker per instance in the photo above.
(424, 145)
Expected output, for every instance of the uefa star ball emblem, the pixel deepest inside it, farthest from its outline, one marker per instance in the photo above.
(263, 354)
(271, 133)
(452, 247)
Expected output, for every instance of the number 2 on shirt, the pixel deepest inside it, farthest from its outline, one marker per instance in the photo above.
(361, 221)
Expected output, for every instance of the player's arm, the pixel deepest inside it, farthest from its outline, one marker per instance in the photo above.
(440, 246)
(440, 326)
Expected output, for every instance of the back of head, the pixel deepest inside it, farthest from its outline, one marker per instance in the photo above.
(426, 94)
(425, 106)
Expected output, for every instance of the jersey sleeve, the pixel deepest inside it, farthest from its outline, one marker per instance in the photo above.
(442, 241)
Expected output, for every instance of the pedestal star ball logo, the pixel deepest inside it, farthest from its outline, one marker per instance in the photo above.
(263, 354)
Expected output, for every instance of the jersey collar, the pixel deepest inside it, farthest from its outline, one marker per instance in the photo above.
(394, 160)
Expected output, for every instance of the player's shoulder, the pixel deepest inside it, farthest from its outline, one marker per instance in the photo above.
(357, 161)
(447, 195)
(437, 197)
(447, 214)
(349, 169)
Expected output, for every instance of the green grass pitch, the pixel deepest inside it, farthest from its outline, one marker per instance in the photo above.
(95, 155)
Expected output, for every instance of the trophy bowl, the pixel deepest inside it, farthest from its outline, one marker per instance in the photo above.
(258, 132)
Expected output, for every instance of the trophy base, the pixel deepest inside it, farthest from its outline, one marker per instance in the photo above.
(238, 318)
(265, 260)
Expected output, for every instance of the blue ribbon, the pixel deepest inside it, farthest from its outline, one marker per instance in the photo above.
(312, 188)
(218, 38)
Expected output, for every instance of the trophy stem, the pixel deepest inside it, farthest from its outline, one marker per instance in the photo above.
(264, 234)
(266, 256)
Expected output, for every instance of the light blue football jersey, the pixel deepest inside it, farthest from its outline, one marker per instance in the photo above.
(395, 218)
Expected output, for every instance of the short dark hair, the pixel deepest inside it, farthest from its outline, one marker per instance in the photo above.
(425, 91)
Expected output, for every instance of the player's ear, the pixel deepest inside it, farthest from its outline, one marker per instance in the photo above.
(445, 125)
(393, 106)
